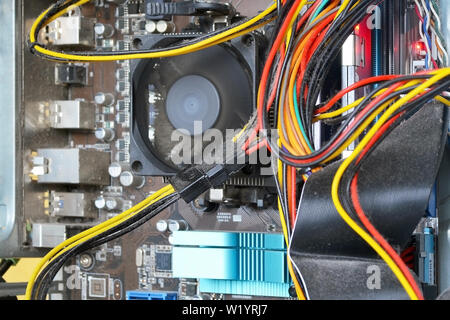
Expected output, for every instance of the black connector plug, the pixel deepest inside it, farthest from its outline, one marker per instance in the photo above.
(193, 181)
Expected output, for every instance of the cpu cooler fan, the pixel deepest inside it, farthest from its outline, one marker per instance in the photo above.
(215, 86)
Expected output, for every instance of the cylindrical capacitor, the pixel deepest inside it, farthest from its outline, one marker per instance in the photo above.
(100, 202)
(150, 26)
(114, 204)
(177, 225)
(128, 179)
(105, 134)
(105, 99)
(118, 2)
(163, 26)
(116, 168)
(104, 30)
(161, 226)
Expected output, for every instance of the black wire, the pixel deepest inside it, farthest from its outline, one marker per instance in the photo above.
(45, 278)
(283, 204)
(265, 125)
(94, 242)
(321, 61)
(289, 51)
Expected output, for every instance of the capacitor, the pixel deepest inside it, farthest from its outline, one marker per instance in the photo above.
(106, 99)
(100, 202)
(105, 134)
(104, 30)
(177, 225)
(163, 26)
(128, 179)
(161, 226)
(116, 168)
(150, 26)
(114, 204)
(118, 2)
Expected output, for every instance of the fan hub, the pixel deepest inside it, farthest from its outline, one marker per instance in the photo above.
(193, 98)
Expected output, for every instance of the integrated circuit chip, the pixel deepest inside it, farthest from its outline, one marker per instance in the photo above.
(163, 261)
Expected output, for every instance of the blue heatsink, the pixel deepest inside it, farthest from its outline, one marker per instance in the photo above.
(151, 295)
(232, 263)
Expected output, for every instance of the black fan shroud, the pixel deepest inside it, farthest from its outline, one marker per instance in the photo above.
(228, 67)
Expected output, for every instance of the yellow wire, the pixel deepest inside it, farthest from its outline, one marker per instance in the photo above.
(342, 8)
(298, 289)
(340, 111)
(85, 234)
(93, 234)
(342, 168)
(229, 34)
(297, 12)
(443, 100)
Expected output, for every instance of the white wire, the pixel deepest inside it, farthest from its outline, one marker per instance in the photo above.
(427, 26)
(438, 19)
(302, 280)
(439, 27)
(422, 35)
(305, 287)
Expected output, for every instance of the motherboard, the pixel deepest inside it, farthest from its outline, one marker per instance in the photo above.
(89, 139)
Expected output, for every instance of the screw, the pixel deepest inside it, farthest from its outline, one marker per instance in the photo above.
(86, 261)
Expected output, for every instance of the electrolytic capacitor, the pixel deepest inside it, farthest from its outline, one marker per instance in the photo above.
(105, 134)
(128, 179)
(104, 30)
(114, 204)
(161, 226)
(116, 168)
(150, 26)
(105, 99)
(177, 225)
(100, 202)
(118, 2)
(163, 26)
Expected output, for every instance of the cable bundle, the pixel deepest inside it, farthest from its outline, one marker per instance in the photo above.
(111, 229)
(308, 40)
(430, 29)
(62, 7)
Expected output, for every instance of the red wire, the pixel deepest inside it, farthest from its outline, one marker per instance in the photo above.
(379, 238)
(292, 195)
(350, 127)
(365, 221)
(354, 86)
(270, 58)
(266, 71)
(277, 76)
(306, 15)
(408, 259)
(311, 45)
(376, 137)
(408, 251)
